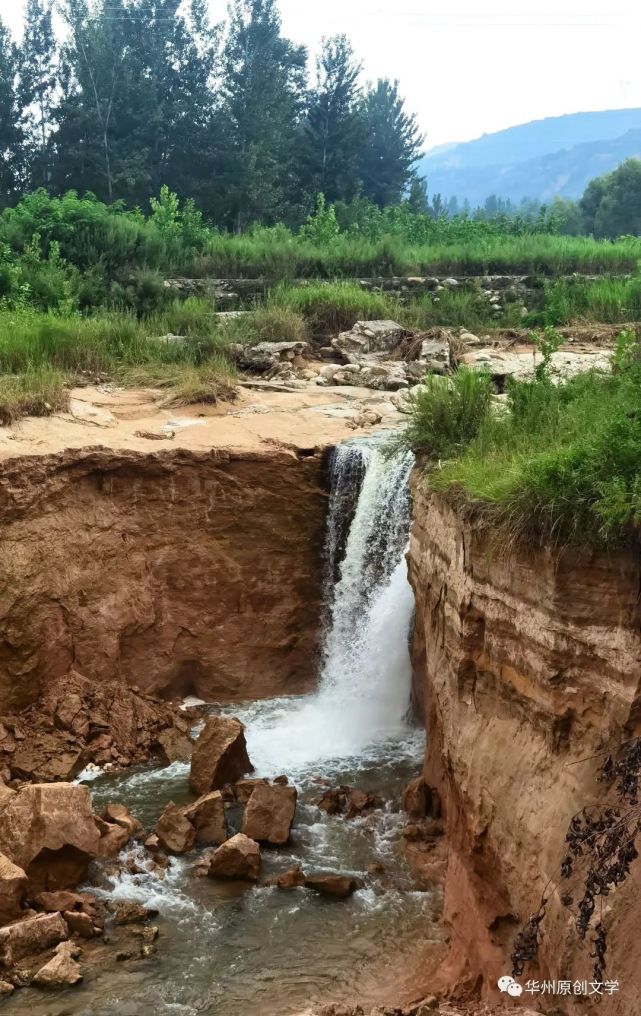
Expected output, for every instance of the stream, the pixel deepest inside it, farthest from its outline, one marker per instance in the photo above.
(231, 951)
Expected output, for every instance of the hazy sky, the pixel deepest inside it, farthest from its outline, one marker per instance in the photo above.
(468, 68)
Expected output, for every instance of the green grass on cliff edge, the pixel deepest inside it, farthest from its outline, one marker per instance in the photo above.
(559, 463)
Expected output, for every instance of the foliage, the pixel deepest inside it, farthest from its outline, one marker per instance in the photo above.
(392, 145)
(562, 463)
(611, 204)
(447, 413)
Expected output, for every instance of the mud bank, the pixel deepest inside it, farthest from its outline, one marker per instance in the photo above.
(524, 665)
(181, 572)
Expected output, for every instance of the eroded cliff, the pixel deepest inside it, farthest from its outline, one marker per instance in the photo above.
(181, 572)
(526, 664)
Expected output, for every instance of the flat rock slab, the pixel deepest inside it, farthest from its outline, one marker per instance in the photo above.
(31, 936)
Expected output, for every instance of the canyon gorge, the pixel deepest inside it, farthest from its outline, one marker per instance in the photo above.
(262, 563)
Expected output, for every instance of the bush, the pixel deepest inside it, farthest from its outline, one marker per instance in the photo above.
(448, 413)
(562, 464)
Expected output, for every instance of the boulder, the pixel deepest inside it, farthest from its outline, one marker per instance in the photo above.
(293, 878)
(238, 857)
(269, 814)
(368, 337)
(434, 356)
(130, 912)
(113, 838)
(207, 816)
(79, 923)
(60, 900)
(62, 970)
(219, 755)
(6, 989)
(340, 886)
(12, 885)
(245, 788)
(118, 814)
(174, 745)
(31, 936)
(49, 831)
(175, 833)
(348, 801)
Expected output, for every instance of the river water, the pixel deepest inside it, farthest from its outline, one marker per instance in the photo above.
(226, 950)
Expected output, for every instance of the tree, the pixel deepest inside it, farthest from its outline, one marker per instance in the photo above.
(263, 81)
(418, 199)
(11, 135)
(611, 204)
(392, 146)
(136, 99)
(333, 132)
(38, 83)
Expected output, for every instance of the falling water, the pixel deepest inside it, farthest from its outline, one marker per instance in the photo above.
(365, 680)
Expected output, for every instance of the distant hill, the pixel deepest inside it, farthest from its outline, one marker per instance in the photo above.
(541, 159)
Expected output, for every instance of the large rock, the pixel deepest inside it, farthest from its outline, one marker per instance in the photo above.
(434, 355)
(207, 816)
(49, 831)
(367, 338)
(269, 814)
(118, 814)
(340, 886)
(31, 936)
(175, 833)
(238, 858)
(62, 970)
(12, 885)
(219, 755)
(78, 721)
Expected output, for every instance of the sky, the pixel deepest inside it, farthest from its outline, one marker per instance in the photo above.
(467, 68)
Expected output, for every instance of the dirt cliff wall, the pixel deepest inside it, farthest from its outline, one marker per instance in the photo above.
(181, 572)
(525, 663)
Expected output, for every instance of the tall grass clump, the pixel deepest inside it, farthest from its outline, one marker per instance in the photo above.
(328, 308)
(448, 412)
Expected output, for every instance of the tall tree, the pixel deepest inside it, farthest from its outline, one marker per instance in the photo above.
(38, 83)
(262, 83)
(11, 135)
(392, 146)
(136, 98)
(333, 132)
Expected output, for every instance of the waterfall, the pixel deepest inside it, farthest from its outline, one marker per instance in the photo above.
(364, 688)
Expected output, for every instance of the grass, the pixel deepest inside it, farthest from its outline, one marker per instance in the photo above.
(181, 349)
(287, 257)
(562, 464)
(36, 392)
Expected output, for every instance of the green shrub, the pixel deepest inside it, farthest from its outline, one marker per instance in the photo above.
(447, 413)
(562, 464)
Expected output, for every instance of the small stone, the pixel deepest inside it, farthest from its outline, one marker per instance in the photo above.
(6, 989)
(340, 886)
(131, 912)
(118, 814)
(293, 878)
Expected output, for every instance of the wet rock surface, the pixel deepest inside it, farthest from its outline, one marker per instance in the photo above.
(269, 814)
(349, 801)
(219, 756)
(237, 858)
